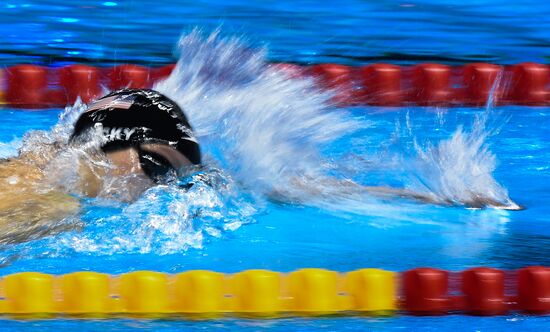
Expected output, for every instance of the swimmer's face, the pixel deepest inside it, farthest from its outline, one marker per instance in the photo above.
(125, 162)
(123, 176)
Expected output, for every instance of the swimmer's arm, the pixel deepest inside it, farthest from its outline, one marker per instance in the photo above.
(26, 216)
(347, 187)
(331, 188)
(25, 210)
(386, 192)
(382, 191)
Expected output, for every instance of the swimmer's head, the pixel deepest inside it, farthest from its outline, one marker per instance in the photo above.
(143, 120)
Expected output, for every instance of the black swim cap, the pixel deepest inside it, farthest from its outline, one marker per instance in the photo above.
(133, 117)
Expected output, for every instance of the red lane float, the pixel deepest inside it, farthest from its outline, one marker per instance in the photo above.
(428, 84)
(27, 86)
(426, 291)
(478, 291)
(2, 93)
(483, 290)
(381, 85)
(533, 287)
(530, 84)
(479, 79)
(431, 84)
(129, 76)
(80, 81)
(337, 78)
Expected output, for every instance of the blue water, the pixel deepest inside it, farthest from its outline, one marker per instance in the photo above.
(243, 232)
(289, 237)
(349, 31)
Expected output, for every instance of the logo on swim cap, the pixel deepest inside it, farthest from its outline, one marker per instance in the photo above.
(113, 134)
(112, 102)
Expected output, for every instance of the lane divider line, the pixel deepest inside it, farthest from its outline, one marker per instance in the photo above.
(268, 294)
(427, 84)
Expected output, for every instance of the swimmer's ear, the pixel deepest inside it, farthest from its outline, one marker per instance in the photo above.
(174, 157)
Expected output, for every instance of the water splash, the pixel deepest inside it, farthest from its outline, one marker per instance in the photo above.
(263, 135)
(263, 127)
(165, 219)
(459, 170)
(267, 130)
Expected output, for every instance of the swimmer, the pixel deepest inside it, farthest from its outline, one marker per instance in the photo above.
(146, 140)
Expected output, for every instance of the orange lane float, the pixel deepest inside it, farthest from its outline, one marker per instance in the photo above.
(427, 84)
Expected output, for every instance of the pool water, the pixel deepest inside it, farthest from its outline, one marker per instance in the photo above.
(348, 31)
(288, 237)
(231, 225)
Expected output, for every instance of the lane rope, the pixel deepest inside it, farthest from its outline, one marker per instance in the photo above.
(268, 294)
(427, 84)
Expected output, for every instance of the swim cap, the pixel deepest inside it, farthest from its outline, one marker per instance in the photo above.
(135, 117)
